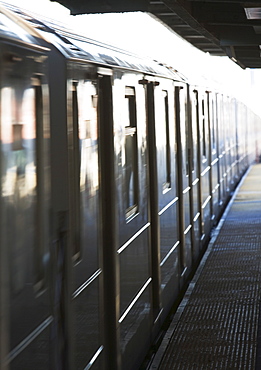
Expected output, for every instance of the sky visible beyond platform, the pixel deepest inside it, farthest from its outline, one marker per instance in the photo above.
(142, 34)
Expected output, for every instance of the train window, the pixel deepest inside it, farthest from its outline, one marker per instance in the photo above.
(167, 183)
(76, 163)
(194, 129)
(131, 154)
(214, 124)
(84, 158)
(40, 226)
(22, 135)
(187, 144)
(204, 126)
(182, 125)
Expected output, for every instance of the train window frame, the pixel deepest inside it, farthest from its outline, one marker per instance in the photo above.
(181, 101)
(214, 124)
(166, 186)
(83, 132)
(75, 195)
(194, 126)
(203, 129)
(40, 274)
(131, 147)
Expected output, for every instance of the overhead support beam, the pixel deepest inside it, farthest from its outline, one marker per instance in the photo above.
(185, 15)
(251, 2)
(240, 40)
(104, 6)
(235, 24)
(213, 26)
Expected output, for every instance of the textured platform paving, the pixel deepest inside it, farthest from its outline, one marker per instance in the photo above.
(216, 325)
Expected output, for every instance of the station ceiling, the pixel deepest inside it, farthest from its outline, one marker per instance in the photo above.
(231, 27)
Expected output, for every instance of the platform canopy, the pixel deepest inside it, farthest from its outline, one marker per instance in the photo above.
(220, 27)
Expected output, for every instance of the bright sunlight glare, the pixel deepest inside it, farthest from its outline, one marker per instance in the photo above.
(142, 34)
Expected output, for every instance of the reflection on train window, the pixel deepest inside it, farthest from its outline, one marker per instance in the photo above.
(75, 178)
(18, 171)
(131, 154)
(88, 138)
(40, 218)
(165, 128)
(17, 136)
(84, 161)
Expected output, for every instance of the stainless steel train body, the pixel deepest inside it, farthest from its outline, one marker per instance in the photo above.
(114, 169)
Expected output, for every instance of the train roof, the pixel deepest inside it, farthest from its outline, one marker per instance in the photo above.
(13, 30)
(79, 47)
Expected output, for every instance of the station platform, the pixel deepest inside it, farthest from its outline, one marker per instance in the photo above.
(218, 323)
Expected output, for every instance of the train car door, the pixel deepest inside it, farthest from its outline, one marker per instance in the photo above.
(215, 182)
(85, 219)
(205, 161)
(195, 163)
(222, 151)
(133, 224)
(228, 149)
(109, 217)
(183, 176)
(25, 206)
(164, 204)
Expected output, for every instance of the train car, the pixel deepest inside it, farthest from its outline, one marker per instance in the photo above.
(110, 191)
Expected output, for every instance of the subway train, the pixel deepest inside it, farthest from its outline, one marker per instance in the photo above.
(114, 171)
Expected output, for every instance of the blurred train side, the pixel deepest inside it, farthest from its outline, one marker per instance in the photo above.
(114, 170)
